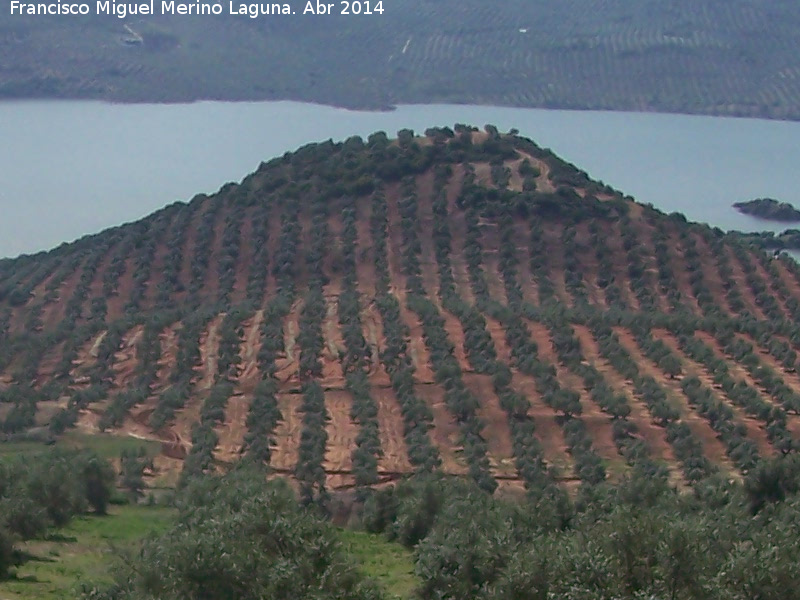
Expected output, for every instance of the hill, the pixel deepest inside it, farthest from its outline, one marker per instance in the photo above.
(463, 301)
(770, 209)
(715, 57)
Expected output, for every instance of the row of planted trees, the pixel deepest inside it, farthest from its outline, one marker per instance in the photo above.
(357, 359)
(479, 346)
(417, 415)
(460, 401)
(524, 352)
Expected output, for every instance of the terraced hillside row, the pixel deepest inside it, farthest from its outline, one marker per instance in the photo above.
(463, 301)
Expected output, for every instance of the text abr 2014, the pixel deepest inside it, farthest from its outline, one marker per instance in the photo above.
(170, 7)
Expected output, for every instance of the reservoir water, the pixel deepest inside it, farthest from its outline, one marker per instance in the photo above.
(72, 168)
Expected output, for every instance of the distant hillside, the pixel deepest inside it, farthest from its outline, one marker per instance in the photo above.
(463, 301)
(714, 57)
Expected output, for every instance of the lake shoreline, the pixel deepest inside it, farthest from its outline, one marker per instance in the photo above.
(393, 107)
(109, 163)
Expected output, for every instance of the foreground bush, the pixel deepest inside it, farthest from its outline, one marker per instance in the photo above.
(48, 490)
(638, 539)
(240, 537)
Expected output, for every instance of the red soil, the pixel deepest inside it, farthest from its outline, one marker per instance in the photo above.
(530, 291)
(209, 354)
(653, 435)
(555, 256)
(495, 421)
(788, 279)
(711, 275)
(755, 428)
(458, 232)
(713, 449)
(116, 303)
(767, 278)
(736, 370)
(598, 424)
(288, 364)
(644, 233)
(126, 359)
(619, 261)
(587, 258)
(273, 242)
(332, 373)
(231, 433)
(169, 352)
(740, 281)
(372, 327)
(554, 448)
(490, 240)
(677, 264)
(187, 253)
(245, 260)
(390, 432)
(211, 277)
(428, 266)
(86, 358)
(249, 373)
(342, 433)
(287, 433)
(790, 378)
(365, 253)
(157, 271)
(48, 364)
(54, 311)
(445, 434)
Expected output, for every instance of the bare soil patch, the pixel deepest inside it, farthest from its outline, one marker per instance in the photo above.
(209, 354)
(288, 364)
(342, 432)
(287, 433)
(372, 327)
(365, 252)
(445, 434)
(249, 373)
(334, 348)
(48, 364)
(126, 359)
(495, 420)
(390, 431)
(231, 432)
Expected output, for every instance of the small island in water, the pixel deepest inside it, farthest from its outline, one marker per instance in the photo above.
(768, 208)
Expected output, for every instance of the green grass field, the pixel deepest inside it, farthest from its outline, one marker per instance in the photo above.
(84, 551)
(390, 564)
(105, 445)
